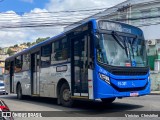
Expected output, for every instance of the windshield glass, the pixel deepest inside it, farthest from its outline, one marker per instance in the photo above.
(119, 50)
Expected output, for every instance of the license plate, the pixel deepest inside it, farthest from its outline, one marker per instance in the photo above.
(134, 94)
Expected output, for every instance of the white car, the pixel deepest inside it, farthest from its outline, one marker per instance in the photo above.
(2, 88)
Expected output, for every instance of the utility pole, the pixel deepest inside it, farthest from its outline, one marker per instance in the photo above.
(125, 10)
(129, 13)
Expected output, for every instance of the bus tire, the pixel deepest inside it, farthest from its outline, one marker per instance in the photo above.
(65, 96)
(107, 100)
(19, 92)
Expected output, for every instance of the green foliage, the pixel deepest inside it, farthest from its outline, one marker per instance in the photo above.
(10, 52)
(29, 44)
(41, 39)
(16, 45)
(33, 43)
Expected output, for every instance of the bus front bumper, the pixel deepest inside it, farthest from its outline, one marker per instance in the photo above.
(105, 90)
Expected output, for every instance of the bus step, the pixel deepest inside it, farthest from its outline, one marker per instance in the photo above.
(35, 95)
(79, 97)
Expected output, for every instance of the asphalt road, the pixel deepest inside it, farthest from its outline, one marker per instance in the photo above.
(82, 109)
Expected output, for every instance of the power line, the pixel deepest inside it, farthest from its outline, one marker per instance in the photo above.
(57, 21)
(54, 12)
(66, 20)
(138, 18)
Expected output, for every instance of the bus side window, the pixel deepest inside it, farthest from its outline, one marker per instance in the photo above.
(46, 55)
(18, 64)
(60, 51)
(7, 67)
(26, 62)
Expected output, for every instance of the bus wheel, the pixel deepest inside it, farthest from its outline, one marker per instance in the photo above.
(107, 100)
(19, 92)
(65, 96)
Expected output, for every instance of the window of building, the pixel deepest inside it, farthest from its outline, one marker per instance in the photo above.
(46, 55)
(158, 10)
(18, 63)
(123, 17)
(145, 14)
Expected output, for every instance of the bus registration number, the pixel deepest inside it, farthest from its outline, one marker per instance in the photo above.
(134, 94)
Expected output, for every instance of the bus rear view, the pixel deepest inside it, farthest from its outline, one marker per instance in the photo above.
(121, 68)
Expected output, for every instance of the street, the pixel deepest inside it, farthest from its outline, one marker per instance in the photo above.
(143, 103)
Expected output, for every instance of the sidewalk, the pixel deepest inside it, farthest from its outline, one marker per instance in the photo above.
(155, 93)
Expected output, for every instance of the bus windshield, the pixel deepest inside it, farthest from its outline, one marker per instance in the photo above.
(117, 50)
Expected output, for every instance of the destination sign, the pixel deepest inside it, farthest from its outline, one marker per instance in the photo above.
(105, 25)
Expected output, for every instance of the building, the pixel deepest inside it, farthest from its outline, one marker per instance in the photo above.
(18, 48)
(141, 13)
(2, 62)
(4, 50)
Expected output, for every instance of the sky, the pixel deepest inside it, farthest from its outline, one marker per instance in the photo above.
(17, 17)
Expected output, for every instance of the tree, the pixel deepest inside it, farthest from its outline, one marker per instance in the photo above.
(16, 45)
(41, 39)
(28, 44)
(33, 43)
(10, 52)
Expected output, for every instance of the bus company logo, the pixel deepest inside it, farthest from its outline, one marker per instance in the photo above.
(20, 114)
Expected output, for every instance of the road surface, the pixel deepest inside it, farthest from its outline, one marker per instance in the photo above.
(83, 108)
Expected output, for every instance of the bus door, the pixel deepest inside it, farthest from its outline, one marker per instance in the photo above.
(79, 65)
(12, 77)
(35, 57)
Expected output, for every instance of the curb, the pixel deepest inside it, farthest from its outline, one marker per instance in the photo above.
(154, 93)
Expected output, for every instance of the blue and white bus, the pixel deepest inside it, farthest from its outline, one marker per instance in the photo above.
(99, 59)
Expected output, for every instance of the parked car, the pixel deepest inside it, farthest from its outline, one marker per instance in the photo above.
(2, 88)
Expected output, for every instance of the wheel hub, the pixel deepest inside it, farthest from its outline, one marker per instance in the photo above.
(66, 94)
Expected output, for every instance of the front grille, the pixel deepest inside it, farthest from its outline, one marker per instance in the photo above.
(129, 73)
(128, 89)
(125, 71)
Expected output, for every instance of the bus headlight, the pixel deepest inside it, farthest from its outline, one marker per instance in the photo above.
(149, 79)
(104, 77)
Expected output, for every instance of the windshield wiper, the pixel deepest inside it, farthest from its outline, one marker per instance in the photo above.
(117, 38)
